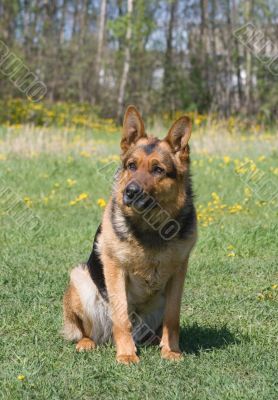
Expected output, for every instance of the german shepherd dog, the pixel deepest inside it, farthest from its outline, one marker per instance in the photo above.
(140, 254)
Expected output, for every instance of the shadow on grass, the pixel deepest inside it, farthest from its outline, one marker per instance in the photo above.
(195, 338)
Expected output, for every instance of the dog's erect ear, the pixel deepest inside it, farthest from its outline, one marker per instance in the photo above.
(133, 128)
(179, 135)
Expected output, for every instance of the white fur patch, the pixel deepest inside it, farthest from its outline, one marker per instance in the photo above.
(95, 308)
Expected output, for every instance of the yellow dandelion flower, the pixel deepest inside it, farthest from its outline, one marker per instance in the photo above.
(253, 167)
(236, 208)
(81, 197)
(215, 197)
(27, 201)
(101, 202)
(71, 182)
(274, 170)
(21, 377)
(227, 159)
(231, 254)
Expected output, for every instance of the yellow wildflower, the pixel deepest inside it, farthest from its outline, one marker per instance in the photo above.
(273, 170)
(81, 197)
(71, 182)
(227, 159)
(253, 167)
(27, 201)
(21, 377)
(101, 202)
(236, 208)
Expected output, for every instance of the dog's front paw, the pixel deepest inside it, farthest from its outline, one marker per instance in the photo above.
(127, 359)
(171, 355)
(85, 344)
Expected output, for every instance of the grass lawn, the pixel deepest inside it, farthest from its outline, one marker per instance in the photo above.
(229, 310)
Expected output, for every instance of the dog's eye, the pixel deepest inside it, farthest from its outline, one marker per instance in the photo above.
(132, 166)
(158, 170)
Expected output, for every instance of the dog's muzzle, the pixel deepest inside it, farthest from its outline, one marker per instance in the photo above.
(131, 193)
(134, 196)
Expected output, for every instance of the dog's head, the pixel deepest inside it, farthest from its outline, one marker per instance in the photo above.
(153, 171)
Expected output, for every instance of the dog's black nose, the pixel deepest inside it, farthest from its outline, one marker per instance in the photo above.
(131, 192)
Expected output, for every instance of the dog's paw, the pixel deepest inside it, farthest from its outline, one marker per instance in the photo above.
(85, 344)
(127, 359)
(171, 355)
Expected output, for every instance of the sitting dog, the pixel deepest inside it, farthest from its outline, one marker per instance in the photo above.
(135, 274)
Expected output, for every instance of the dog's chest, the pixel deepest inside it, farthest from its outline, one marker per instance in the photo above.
(149, 270)
(148, 274)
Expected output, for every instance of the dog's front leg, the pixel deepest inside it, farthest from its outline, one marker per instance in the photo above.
(171, 324)
(122, 328)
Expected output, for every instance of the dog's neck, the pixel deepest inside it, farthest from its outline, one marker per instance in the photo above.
(151, 230)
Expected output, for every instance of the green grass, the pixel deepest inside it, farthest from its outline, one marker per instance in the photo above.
(229, 336)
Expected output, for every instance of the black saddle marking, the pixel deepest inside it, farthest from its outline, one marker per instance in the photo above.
(95, 268)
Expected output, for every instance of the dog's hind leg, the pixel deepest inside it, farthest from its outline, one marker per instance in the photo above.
(86, 314)
(76, 328)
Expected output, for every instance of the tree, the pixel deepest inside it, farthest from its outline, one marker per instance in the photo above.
(101, 32)
(126, 65)
(169, 75)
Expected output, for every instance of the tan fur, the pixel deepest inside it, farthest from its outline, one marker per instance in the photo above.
(147, 280)
(73, 325)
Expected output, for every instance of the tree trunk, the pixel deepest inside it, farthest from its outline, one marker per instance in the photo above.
(248, 87)
(229, 68)
(214, 72)
(168, 65)
(126, 66)
(101, 31)
(237, 58)
(204, 51)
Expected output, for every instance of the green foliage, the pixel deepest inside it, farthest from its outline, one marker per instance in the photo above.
(118, 26)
